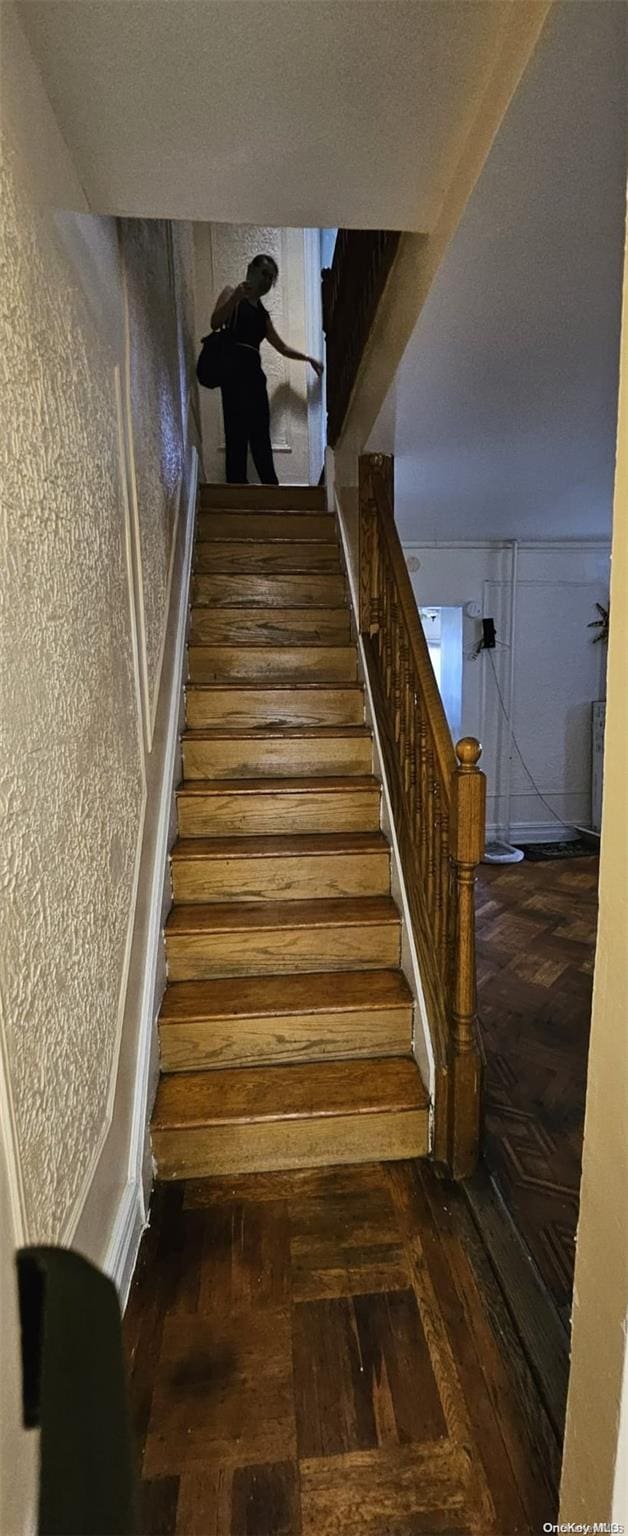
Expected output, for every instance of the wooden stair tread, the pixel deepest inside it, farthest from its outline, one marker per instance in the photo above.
(261, 916)
(309, 992)
(251, 1095)
(272, 645)
(285, 684)
(279, 845)
(287, 786)
(275, 732)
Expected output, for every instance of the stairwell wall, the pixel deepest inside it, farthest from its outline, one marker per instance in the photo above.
(97, 470)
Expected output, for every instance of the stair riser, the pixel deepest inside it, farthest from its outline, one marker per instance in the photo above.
(292, 626)
(206, 1044)
(266, 527)
(312, 664)
(234, 759)
(240, 708)
(256, 815)
(296, 591)
(194, 957)
(304, 878)
(264, 559)
(201, 1153)
(283, 498)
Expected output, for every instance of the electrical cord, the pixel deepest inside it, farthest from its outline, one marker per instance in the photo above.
(515, 743)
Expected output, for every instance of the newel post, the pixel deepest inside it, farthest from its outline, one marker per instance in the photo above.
(467, 847)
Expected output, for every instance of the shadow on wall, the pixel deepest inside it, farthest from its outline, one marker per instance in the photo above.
(287, 399)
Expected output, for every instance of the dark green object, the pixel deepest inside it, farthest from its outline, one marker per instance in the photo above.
(74, 1381)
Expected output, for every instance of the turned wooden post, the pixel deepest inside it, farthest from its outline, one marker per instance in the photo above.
(467, 847)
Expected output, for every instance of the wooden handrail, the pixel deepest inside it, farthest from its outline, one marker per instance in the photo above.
(351, 290)
(438, 804)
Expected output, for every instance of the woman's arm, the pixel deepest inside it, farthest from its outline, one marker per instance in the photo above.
(286, 351)
(226, 302)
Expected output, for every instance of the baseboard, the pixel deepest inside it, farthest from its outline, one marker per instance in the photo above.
(150, 1000)
(532, 832)
(543, 1337)
(124, 1242)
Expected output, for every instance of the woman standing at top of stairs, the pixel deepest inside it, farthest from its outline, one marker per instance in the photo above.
(245, 404)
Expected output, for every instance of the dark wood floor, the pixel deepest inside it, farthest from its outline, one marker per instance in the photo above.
(536, 950)
(327, 1353)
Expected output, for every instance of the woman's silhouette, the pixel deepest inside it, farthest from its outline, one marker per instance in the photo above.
(244, 393)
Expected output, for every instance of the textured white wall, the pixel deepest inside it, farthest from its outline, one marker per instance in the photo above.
(558, 669)
(93, 398)
(72, 771)
(223, 252)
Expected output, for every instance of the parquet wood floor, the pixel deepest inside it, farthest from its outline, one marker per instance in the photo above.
(326, 1353)
(536, 950)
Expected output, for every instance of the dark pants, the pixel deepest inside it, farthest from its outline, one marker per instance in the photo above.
(247, 418)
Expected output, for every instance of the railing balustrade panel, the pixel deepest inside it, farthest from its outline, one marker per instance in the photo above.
(352, 288)
(438, 803)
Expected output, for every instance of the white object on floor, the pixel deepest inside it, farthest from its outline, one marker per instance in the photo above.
(502, 853)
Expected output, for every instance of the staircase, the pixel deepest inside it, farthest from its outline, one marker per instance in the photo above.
(286, 1026)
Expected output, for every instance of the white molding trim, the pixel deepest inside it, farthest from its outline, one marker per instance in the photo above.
(134, 501)
(422, 1049)
(126, 1236)
(161, 850)
(314, 343)
(131, 1217)
(9, 1142)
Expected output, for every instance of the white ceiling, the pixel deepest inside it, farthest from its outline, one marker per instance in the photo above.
(503, 418)
(288, 112)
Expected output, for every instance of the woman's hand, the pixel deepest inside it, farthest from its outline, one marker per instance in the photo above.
(318, 367)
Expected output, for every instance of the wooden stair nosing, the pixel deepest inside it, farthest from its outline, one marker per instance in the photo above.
(359, 783)
(304, 993)
(279, 845)
(276, 916)
(300, 689)
(254, 1095)
(277, 733)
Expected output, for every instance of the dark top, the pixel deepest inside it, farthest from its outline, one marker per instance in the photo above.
(250, 323)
